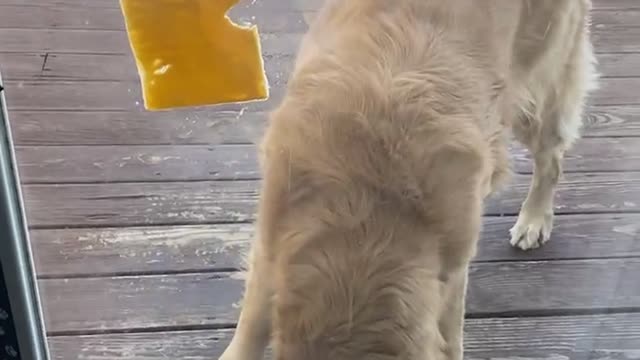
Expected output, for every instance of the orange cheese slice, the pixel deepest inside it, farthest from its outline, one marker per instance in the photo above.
(189, 53)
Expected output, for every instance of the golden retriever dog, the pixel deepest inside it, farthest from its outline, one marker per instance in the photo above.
(393, 131)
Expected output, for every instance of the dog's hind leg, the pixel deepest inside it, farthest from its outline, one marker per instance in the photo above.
(548, 131)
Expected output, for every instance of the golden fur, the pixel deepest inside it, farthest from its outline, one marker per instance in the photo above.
(393, 131)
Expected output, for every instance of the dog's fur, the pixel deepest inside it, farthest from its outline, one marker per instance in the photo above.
(393, 131)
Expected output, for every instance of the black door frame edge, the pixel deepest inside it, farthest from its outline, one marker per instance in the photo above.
(15, 250)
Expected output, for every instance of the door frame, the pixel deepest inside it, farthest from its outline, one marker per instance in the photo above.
(15, 250)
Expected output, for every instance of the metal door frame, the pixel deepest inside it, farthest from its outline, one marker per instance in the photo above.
(15, 250)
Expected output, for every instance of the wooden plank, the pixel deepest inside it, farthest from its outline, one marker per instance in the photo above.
(192, 127)
(142, 250)
(619, 65)
(108, 41)
(287, 19)
(90, 164)
(207, 299)
(616, 121)
(45, 15)
(308, 5)
(140, 203)
(106, 67)
(116, 163)
(619, 39)
(158, 249)
(213, 126)
(577, 193)
(595, 337)
(612, 5)
(606, 40)
(117, 96)
(176, 203)
(99, 95)
(612, 19)
(591, 154)
(617, 91)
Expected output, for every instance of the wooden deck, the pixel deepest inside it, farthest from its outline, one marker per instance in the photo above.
(139, 219)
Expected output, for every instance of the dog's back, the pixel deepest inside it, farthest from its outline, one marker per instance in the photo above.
(376, 165)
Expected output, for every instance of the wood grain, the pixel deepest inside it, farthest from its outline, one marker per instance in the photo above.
(213, 126)
(82, 164)
(108, 41)
(620, 5)
(193, 203)
(607, 39)
(114, 67)
(611, 20)
(186, 127)
(596, 337)
(131, 204)
(207, 299)
(172, 249)
(618, 121)
(45, 15)
(288, 4)
(96, 164)
(114, 96)
(105, 95)
(591, 154)
(111, 67)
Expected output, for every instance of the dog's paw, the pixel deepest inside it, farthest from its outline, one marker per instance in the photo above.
(531, 232)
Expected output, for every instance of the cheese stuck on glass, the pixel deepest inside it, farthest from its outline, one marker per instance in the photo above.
(189, 53)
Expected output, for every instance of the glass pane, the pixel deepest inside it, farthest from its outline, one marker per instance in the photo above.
(140, 221)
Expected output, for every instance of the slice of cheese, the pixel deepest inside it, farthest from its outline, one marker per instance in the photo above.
(189, 53)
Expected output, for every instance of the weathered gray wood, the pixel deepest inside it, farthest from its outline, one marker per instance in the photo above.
(46, 15)
(81, 164)
(91, 164)
(130, 204)
(108, 41)
(107, 304)
(573, 237)
(106, 67)
(591, 154)
(109, 67)
(194, 127)
(617, 91)
(606, 40)
(158, 249)
(140, 203)
(622, 5)
(596, 337)
(618, 39)
(612, 121)
(577, 193)
(108, 95)
(212, 126)
(136, 250)
(263, 5)
(101, 95)
(610, 20)
(619, 64)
